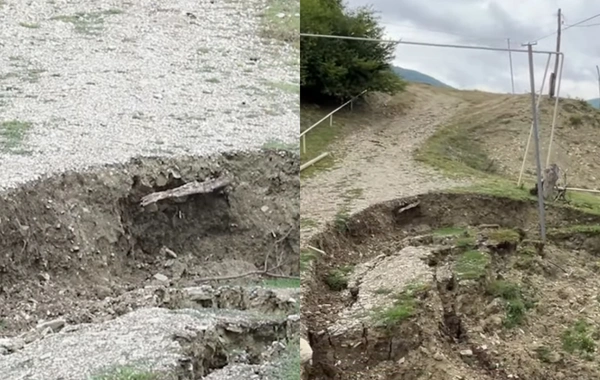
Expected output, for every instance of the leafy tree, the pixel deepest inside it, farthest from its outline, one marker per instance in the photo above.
(336, 69)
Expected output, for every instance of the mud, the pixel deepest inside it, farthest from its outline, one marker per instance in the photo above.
(78, 246)
(381, 325)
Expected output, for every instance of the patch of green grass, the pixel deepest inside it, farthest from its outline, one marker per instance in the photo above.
(281, 283)
(88, 23)
(30, 25)
(404, 307)
(452, 150)
(516, 303)
(290, 88)
(213, 80)
(467, 242)
(288, 366)
(579, 338)
(449, 231)
(340, 221)
(127, 373)
(503, 236)
(307, 256)
(587, 230)
(496, 187)
(12, 136)
(281, 21)
(308, 223)
(575, 120)
(383, 291)
(543, 353)
(337, 279)
(280, 145)
(471, 265)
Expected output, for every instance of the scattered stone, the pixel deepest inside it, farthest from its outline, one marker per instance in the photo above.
(54, 325)
(161, 277)
(168, 253)
(10, 345)
(45, 277)
(264, 209)
(305, 352)
(466, 353)
(438, 356)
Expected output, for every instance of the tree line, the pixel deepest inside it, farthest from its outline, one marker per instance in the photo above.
(337, 69)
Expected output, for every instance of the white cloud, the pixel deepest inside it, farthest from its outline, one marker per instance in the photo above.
(490, 23)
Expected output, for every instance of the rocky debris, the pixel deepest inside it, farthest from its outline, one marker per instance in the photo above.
(153, 337)
(376, 279)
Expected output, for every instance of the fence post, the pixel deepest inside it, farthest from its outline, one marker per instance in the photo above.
(331, 120)
(304, 144)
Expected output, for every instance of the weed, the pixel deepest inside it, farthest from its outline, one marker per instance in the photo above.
(341, 221)
(337, 279)
(467, 242)
(288, 368)
(504, 235)
(127, 373)
(91, 23)
(471, 265)
(575, 120)
(290, 88)
(308, 223)
(543, 354)
(307, 256)
(30, 25)
(12, 135)
(516, 303)
(213, 80)
(403, 308)
(449, 231)
(281, 21)
(383, 291)
(579, 339)
(280, 145)
(281, 283)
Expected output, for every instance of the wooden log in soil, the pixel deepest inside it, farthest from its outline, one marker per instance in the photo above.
(190, 188)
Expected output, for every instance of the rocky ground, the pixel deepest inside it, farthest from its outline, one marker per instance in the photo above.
(95, 286)
(455, 288)
(86, 83)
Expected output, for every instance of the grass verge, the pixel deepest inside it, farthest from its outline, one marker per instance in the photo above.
(471, 265)
(281, 21)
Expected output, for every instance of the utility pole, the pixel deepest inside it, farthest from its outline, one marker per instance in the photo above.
(598, 70)
(512, 77)
(536, 138)
(553, 75)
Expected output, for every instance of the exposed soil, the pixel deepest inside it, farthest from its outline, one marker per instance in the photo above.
(378, 163)
(518, 318)
(79, 247)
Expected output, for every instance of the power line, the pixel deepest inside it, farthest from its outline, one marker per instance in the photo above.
(402, 42)
(473, 38)
(570, 26)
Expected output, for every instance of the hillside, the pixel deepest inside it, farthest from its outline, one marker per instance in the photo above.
(594, 102)
(418, 77)
(413, 276)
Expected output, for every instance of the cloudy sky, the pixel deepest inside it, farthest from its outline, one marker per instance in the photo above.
(491, 23)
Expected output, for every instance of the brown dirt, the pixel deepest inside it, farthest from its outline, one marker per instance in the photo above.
(455, 315)
(76, 239)
(378, 163)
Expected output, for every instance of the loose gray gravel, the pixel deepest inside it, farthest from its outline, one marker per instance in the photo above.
(136, 78)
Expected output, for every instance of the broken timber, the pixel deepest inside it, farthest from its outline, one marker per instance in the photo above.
(190, 188)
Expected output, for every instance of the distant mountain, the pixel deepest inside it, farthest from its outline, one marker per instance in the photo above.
(418, 77)
(594, 102)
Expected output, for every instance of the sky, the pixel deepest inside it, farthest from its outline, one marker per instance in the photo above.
(491, 23)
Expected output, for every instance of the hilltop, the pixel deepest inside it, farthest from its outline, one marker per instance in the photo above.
(415, 76)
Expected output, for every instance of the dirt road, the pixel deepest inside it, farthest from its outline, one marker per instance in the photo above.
(378, 162)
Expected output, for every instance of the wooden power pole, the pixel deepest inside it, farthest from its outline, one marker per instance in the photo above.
(553, 75)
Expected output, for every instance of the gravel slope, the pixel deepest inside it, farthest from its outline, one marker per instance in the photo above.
(93, 82)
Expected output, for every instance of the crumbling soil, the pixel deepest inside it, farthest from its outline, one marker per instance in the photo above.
(79, 246)
(460, 328)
